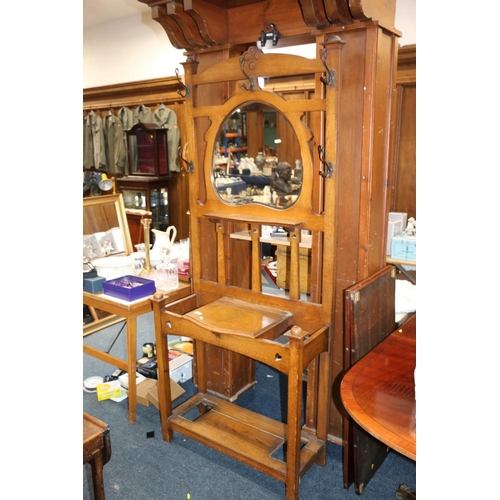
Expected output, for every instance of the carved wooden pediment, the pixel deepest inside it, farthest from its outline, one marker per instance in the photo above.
(197, 24)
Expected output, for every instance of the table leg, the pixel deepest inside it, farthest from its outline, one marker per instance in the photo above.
(93, 313)
(97, 476)
(132, 368)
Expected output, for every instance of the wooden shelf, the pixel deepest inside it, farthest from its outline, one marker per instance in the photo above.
(270, 221)
(243, 434)
(231, 150)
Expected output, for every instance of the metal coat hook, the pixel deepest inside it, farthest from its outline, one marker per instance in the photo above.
(330, 78)
(329, 165)
(187, 91)
(190, 164)
(251, 79)
(271, 34)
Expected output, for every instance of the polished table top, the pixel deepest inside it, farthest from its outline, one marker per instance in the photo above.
(379, 390)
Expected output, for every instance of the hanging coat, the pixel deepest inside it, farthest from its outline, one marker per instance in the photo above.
(126, 116)
(114, 144)
(142, 114)
(164, 117)
(93, 142)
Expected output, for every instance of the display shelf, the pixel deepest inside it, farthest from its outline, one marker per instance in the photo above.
(147, 150)
(151, 195)
(237, 132)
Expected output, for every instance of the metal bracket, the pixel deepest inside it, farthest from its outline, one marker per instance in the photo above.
(187, 90)
(329, 165)
(271, 34)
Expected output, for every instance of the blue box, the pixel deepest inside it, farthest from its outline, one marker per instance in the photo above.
(404, 248)
(129, 288)
(93, 284)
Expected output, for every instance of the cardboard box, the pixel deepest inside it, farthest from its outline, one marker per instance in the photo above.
(181, 368)
(394, 228)
(123, 379)
(147, 392)
(404, 248)
(400, 216)
(142, 390)
(176, 391)
(108, 390)
(93, 285)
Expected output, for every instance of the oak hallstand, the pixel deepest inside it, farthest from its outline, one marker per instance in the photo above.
(341, 126)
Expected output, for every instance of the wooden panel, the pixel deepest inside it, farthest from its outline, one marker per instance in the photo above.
(362, 192)
(369, 318)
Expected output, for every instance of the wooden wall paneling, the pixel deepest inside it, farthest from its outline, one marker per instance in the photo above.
(150, 93)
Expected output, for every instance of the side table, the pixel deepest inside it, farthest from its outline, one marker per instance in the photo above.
(128, 311)
(96, 450)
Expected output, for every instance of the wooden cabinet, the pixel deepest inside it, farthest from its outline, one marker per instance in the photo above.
(403, 140)
(147, 150)
(151, 195)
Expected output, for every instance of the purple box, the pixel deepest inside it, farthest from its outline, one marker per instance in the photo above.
(129, 288)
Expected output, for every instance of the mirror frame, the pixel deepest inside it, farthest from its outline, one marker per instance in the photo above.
(270, 107)
(293, 111)
(116, 201)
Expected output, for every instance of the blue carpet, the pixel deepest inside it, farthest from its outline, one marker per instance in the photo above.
(143, 467)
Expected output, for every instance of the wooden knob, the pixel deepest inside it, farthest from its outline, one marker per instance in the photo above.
(296, 330)
(158, 296)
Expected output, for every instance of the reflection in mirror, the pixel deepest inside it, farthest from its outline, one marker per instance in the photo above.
(257, 158)
(275, 261)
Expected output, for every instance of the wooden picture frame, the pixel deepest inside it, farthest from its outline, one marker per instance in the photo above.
(102, 213)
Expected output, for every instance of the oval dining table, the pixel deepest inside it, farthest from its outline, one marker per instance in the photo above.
(379, 390)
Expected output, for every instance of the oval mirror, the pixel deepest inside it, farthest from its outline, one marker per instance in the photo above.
(257, 158)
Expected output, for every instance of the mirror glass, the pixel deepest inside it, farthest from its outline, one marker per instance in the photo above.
(105, 221)
(257, 158)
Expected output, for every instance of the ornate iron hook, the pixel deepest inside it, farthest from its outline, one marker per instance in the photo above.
(330, 78)
(251, 79)
(187, 91)
(329, 165)
(190, 164)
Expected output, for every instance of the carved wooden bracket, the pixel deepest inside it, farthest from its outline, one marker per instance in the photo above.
(198, 24)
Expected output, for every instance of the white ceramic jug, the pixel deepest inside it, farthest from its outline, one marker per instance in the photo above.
(163, 239)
